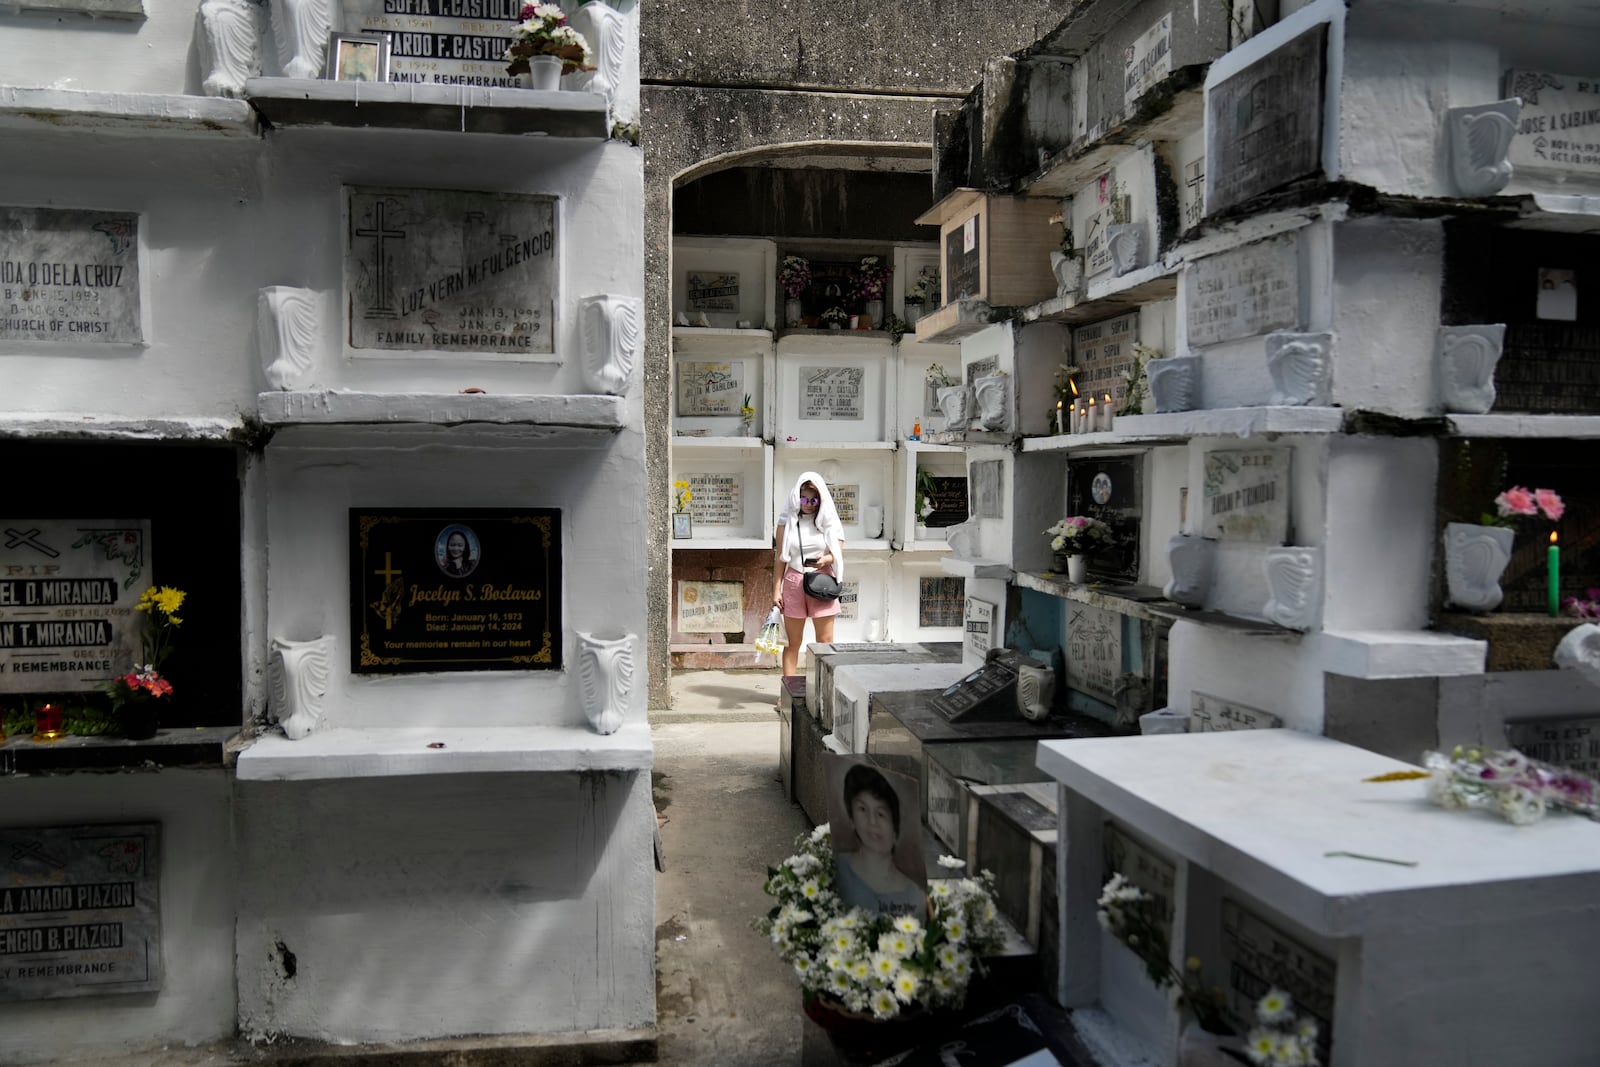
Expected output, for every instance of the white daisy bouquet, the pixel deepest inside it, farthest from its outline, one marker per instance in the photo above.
(1138, 921)
(543, 31)
(881, 964)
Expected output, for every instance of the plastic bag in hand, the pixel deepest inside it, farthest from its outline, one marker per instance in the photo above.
(770, 640)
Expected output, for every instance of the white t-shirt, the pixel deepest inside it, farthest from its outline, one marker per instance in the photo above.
(809, 545)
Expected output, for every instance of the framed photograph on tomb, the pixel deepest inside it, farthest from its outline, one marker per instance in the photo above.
(1111, 489)
(682, 526)
(454, 590)
(358, 57)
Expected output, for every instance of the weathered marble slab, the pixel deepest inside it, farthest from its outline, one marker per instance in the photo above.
(69, 275)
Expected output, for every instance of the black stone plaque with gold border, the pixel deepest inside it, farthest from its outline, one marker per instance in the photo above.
(455, 590)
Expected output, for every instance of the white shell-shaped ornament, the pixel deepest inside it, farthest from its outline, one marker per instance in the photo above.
(1474, 559)
(1467, 359)
(613, 334)
(1294, 578)
(1301, 365)
(297, 675)
(605, 679)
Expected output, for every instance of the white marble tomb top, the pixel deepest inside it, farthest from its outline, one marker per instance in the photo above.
(1261, 808)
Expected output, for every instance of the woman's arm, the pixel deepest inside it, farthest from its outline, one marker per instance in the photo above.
(779, 565)
(826, 559)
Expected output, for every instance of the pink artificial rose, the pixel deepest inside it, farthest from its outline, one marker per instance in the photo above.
(1549, 502)
(1516, 501)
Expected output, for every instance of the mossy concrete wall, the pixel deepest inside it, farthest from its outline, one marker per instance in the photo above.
(729, 82)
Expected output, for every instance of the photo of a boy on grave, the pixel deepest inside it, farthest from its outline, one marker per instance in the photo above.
(876, 822)
(456, 550)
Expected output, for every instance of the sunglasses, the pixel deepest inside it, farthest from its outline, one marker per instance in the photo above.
(811, 500)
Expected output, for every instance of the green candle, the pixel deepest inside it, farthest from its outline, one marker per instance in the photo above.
(1555, 576)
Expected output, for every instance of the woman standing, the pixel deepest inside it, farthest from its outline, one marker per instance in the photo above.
(810, 537)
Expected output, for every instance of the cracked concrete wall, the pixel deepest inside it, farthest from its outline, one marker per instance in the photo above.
(727, 81)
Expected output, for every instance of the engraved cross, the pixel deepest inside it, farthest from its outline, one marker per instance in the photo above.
(379, 232)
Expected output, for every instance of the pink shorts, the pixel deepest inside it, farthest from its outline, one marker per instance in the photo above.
(796, 605)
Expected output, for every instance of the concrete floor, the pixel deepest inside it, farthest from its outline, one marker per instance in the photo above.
(722, 995)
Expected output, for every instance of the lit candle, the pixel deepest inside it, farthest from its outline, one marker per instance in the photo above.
(1058, 417)
(1555, 575)
(1106, 413)
(1092, 422)
(47, 723)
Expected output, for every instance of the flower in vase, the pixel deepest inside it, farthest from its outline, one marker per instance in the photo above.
(794, 275)
(543, 31)
(869, 280)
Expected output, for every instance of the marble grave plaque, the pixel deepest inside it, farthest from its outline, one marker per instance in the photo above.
(846, 501)
(1151, 872)
(69, 275)
(940, 600)
(978, 627)
(1103, 353)
(1559, 128)
(80, 911)
(1146, 61)
(710, 607)
(1247, 495)
(1209, 715)
(67, 593)
(1094, 651)
(1259, 956)
(849, 599)
(710, 389)
(1264, 124)
(716, 499)
(1570, 743)
(832, 393)
(988, 502)
(1247, 292)
(430, 271)
(713, 291)
(440, 42)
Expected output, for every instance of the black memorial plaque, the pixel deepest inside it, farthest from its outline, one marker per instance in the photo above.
(990, 692)
(1109, 488)
(949, 502)
(963, 280)
(1264, 124)
(444, 590)
(1549, 368)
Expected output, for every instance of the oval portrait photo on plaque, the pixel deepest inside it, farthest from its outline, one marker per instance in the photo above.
(455, 590)
(457, 550)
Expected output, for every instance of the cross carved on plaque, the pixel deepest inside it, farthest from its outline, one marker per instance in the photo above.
(388, 605)
(379, 232)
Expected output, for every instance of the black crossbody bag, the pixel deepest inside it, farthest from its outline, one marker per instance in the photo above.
(818, 586)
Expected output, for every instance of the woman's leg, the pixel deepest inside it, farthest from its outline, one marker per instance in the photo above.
(824, 627)
(795, 629)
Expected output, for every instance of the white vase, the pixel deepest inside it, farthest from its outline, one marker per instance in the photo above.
(605, 679)
(993, 396)
(792, 312)
(1474, 558)
(913, 312)
(874, 311)
(955, 404)
(1190, 559)
(612, 340)
(1174, 383)
(1036, 691)
(1077, 568)
(1068, 271)
(297, 676)
(544, 72)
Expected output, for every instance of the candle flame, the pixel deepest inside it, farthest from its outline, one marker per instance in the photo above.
(1108, 398)
(1074, 383)
(1058, 405)
(1091, 401)
(1552, 537)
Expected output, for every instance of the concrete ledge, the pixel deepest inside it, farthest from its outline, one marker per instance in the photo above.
(1401, 654)
(575, 1049)
(285, 102)
(352, 753)
(52, 426)
(1232, 422)
(140, 114)
(328, 408)
(975, 568)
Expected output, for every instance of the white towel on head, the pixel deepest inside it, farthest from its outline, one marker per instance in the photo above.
(827, 520)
